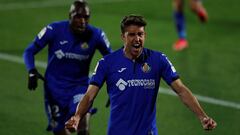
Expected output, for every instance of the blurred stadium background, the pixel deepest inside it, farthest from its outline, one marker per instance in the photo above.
(210, 66)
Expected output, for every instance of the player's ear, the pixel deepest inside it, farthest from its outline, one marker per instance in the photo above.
(122, 36)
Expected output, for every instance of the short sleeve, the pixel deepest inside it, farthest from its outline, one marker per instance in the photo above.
(100, 72)
(169, 72)
(45, 36)
(41, 40)
(104, 44)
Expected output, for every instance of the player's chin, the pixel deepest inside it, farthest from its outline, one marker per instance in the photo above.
(79, 30)
(136, 53)
(137, 50)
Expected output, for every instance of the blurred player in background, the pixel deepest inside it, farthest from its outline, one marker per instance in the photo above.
(71, 46)
(132, 76)
(178, 7)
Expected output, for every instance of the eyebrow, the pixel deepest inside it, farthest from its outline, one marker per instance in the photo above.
(133, 33)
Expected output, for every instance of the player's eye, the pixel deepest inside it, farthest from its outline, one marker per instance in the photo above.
(140, 34)
(131, 34)
(82, 16)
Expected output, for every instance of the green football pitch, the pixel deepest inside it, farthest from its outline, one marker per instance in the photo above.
(209, 67)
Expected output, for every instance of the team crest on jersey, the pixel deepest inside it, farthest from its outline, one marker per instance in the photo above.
(84, 46)
(146, 68)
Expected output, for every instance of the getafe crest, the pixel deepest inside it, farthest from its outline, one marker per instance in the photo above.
(84, 46)
(146, 68)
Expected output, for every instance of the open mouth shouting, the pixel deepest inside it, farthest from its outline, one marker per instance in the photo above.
(136, 46)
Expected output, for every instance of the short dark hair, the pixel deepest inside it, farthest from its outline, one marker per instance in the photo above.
(132, 20)
(78, 3)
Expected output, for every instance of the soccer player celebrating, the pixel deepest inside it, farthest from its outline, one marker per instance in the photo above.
(132, 76)
(197, 8)
(71, 46)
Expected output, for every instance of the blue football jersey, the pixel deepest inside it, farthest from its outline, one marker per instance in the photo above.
(69, 55)
(132, 86)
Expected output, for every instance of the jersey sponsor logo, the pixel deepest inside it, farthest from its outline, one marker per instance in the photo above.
(42, 32)
(121, 84)
(146, 68)
(121, 70)
(145, 83)
(60, 54)
(76, 56)
(63, 42)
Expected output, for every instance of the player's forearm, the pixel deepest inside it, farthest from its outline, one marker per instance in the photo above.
(83, 106)
(192, 103)
(188, 99)
(87, 101)
(29, 54)
(28, 57)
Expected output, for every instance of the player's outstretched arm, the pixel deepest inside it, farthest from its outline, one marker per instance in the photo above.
(192, 103)
(82, 108)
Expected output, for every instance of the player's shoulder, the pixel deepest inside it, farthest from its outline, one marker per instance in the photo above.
(115, 55)
(98, 33)
(58, 24)
(152, 53)
(155, 55)
(95, 29)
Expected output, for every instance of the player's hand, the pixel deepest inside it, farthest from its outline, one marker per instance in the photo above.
(72, 123)
(33, 77)
(208, 123)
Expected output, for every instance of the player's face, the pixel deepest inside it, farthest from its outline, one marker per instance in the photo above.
(79, 18)
(134, 38)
